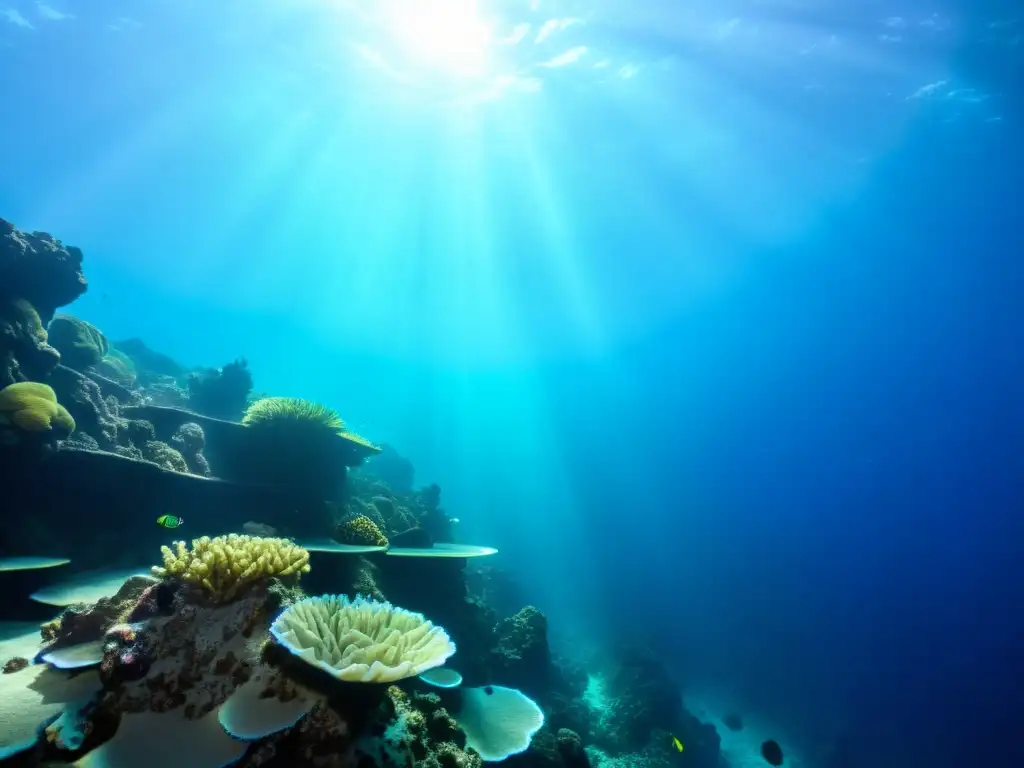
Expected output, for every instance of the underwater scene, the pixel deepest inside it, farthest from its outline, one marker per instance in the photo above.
(552, 383)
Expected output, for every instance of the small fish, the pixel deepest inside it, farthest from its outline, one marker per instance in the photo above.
(677, 744)
(169, 521)
(772, 752)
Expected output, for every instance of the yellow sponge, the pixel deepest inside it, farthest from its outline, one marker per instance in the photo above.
(33, 407)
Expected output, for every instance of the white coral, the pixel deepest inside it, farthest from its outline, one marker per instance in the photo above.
(361, 640)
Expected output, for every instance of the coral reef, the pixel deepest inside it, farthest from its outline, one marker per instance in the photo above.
(521, 653)
(117, 367)
(223, 655)
(33, 408)
(296, 422)
(39, 269)
(81, 344)
(226, 565)
(221, 392)
(632, 696)
(95, 415)
(189, 440)
(25, 353)
(361, 640)
(300, 414)
(164, 456)
(360, 530)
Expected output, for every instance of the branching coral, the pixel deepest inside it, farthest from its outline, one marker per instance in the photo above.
(362, 641)
(225, 565)
(360, 530)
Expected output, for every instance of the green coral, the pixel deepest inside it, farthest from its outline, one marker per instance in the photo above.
(295, 415)
(360, 530)
(118, 367)
(80, 344)
(25, 353)
(292, 410)
(33, 407)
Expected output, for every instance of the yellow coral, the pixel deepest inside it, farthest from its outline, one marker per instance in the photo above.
(225, 565)
(358, 442)
(284, 410)
(33, 407)
(31, 319)
(360, 530)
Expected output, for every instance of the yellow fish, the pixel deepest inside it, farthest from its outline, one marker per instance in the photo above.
(677, 744)
(169, 521)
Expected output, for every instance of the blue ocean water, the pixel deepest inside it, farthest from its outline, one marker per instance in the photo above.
(707, 316)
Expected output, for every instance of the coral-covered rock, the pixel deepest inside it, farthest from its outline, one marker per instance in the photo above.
(40, 269)
(570, 747)
(521, 657)
(93, 414)
(80, 344)
(117, 367)
(164, 456)
(414, 730)
(221, 392)
(25, 354)
(86, 623)
(634, 694)
(190, 440)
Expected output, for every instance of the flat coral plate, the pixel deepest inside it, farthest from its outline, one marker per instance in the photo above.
(443, 550)
(86, 587)
(328, 545)
(30, 563)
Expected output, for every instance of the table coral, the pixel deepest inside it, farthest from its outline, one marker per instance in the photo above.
(225, 565)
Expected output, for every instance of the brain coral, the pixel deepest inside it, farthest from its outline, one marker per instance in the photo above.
(361, 641)
(225, 565)
(33, 407)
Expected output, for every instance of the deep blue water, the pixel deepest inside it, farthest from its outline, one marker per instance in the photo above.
(713, 329)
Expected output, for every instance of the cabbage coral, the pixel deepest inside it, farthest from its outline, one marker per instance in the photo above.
(224, 565)
(361, 640)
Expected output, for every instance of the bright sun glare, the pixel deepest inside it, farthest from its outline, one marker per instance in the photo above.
(445, 34)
